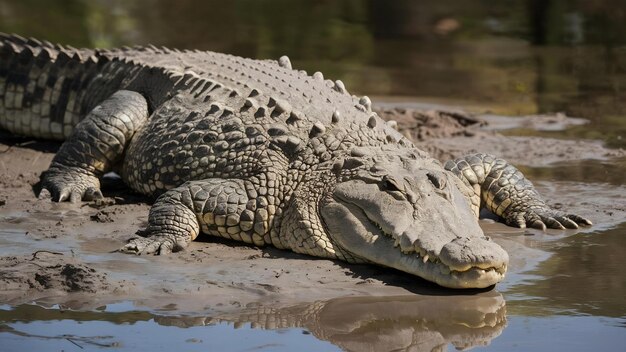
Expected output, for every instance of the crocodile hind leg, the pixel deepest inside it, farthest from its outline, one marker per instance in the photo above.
(97, 143)
(227, 208)
(502, 189)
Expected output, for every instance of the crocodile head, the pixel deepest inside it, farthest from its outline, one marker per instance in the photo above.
(411, 214)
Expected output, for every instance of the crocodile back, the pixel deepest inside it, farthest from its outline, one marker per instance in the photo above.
(42, 86)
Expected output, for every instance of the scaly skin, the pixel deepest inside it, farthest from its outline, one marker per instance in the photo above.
(97, 144)
(257, 152)
(502, 189)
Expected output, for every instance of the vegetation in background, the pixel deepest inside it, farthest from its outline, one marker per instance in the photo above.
(517, 57)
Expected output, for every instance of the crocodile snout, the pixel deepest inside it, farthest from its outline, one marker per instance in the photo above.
(463, 253)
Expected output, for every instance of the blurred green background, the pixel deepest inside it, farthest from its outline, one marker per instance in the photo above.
(510, 57)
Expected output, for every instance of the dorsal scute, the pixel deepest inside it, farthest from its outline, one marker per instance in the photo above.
(284, 62)
(269, 93)
(317, 129)
(372, 121)
(340, 87)
(262, 79)
(366, 102)
(278, 107)
(336, 118)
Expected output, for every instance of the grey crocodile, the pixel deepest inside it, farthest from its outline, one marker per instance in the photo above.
(255, 151)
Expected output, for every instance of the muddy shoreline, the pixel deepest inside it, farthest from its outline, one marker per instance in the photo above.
(63, 254)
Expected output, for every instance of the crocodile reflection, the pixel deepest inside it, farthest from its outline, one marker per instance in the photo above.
(364, 323)
(416, 323)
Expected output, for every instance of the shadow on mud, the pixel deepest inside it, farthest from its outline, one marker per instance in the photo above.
(39, 145)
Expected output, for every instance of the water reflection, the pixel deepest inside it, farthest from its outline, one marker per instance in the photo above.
(416, 323)
(584, 276)
(588, 171)
(421, 323)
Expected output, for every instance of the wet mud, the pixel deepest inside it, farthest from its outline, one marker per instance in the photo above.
(450, 133)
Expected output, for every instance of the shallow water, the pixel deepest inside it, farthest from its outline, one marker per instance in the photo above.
(526, 57)
(136, 331)
(352, 323)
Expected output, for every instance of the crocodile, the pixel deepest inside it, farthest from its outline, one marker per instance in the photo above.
(258, 152)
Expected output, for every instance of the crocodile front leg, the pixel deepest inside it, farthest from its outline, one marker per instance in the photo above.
(227, 208)
(97, 144)
(502, 188)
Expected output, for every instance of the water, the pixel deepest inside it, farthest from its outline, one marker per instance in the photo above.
(351, 323)
(53, 329)
(508, 57)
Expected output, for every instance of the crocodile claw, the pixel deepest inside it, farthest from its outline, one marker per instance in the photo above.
(545, 217)
(156, 245)
(69, 186)
(61, 193)
(92, 193)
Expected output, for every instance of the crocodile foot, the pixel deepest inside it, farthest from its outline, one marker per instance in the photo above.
(542, 217)
(156, 245)
(69, 185)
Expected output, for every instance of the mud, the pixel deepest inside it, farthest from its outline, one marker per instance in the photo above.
(54, 274)
(53, 253)
(450, 133)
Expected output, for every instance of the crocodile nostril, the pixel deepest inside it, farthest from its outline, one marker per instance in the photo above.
(437, 180)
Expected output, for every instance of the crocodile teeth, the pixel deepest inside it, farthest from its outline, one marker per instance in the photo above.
(408, 249)
(501, 270)
(420, 251)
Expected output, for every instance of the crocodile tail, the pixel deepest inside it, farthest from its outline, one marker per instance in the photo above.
(42, 86)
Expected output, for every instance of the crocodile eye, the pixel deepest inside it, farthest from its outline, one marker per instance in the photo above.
(391, 184)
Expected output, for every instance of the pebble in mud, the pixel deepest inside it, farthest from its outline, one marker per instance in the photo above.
(103, 216)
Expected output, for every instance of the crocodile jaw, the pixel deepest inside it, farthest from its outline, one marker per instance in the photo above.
(466, 261)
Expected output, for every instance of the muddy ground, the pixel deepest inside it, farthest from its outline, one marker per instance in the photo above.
(64, 253)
